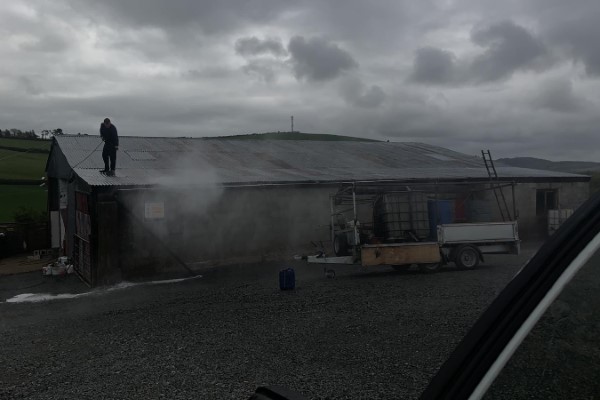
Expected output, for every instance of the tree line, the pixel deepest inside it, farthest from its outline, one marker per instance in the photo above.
(17, 133)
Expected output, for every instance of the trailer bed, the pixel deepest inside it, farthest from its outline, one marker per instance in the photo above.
(490, 232)
(400, 253)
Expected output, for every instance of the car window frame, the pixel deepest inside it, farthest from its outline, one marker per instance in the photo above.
(488, 345)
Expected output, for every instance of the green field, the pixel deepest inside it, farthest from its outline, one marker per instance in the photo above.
(19, 165)
(26, 144)
(13, 197)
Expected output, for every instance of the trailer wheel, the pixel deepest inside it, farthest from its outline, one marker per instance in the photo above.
(340, 245)
(467, 257)
(429, 268)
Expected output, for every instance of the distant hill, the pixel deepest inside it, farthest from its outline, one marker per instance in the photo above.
(560, 166)
(294, 136)
(574, 167)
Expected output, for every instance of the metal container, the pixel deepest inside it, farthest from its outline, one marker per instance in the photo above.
(401, 216)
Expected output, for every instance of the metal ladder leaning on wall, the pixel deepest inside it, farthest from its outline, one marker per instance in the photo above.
(495, 185)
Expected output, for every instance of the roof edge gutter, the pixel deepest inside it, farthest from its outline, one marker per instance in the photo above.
(445, 181)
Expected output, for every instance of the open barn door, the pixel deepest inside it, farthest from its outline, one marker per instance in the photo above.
(82, 259)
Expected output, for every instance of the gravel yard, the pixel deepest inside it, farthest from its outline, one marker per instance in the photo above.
(380, 334)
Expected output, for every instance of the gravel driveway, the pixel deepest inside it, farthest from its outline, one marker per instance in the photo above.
(380, 334)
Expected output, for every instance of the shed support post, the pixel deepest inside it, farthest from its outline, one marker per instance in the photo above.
(332, 219)
(515, 214)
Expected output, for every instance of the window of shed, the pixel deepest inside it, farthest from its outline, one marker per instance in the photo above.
(545, 199)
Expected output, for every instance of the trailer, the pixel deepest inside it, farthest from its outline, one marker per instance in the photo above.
(465, 244)
(403, 233)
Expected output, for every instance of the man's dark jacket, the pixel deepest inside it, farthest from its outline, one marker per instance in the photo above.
(109, 135)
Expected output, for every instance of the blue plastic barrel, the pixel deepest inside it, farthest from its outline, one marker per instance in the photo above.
(287, 279)
(440, 212)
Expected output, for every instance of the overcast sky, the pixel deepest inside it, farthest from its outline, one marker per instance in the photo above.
(520, 77)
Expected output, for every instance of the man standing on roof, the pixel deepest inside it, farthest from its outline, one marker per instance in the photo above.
(108, 132)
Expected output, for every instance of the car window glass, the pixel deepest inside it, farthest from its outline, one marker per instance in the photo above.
(560, 358)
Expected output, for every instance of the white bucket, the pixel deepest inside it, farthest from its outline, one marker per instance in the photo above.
(59, 270)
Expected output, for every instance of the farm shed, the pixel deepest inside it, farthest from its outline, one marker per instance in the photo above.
(203, 202)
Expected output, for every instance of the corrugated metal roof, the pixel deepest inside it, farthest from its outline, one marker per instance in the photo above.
(147, 161)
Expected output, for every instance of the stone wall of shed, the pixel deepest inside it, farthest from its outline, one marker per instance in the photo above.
(570, 196)
(207, 228)
(238, 225)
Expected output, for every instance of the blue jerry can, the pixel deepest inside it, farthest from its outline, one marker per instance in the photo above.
(287, 279)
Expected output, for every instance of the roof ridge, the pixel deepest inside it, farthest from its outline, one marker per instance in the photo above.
(237, 139)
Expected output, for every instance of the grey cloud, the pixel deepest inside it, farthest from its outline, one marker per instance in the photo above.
(48, 43)
(208, 73)
(573, 27)
(355, 92)
(510, 47)
(253, 46)
(432, 65)
(144, 115)
(508, 132)
(316, 59)
(358, 21)
(30, 86)
(173, 71)
(373, 97)
(582, 41)
(558, 95)
(34, 33)
(370, 27)
(209, 17)
(263, 70)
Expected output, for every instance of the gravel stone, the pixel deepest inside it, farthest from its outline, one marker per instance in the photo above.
(379, 334)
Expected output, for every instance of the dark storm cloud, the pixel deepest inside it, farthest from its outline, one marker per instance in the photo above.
(209, 16)
(581, 39)
(509, 47)
(371, 27)
(355, 92)
(317, 59)
(433, 65)
(254, 51)
(171, 69)
(573, 27)
(253, 46)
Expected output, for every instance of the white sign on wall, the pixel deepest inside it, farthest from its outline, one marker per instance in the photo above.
(62, 194)
(154, 210)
